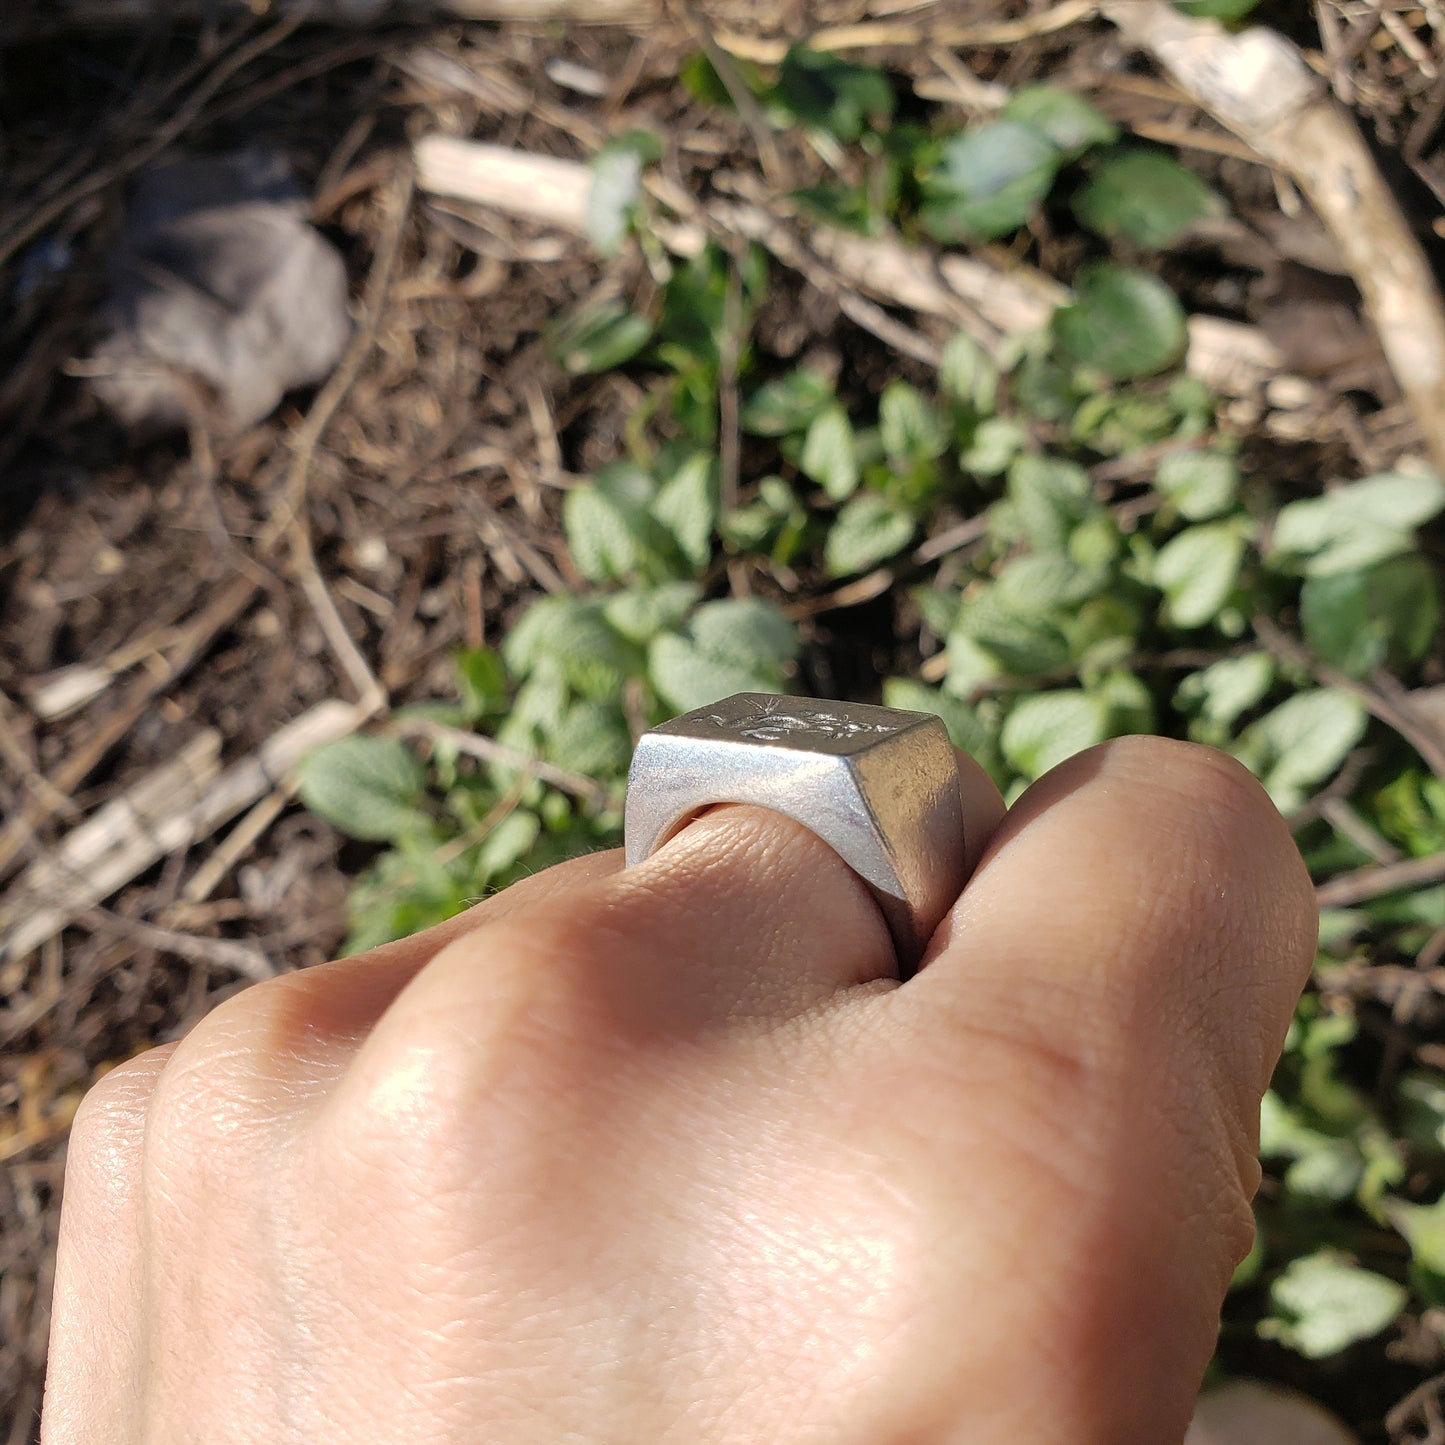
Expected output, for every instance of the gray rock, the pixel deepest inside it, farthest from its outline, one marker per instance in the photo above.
(1250, 1412)
(222, 298)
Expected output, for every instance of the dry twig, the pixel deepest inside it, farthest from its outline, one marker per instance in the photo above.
(1378, 879)
(170, 808)
(477, 745)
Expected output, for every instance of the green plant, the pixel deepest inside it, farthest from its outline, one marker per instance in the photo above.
(1198, 598)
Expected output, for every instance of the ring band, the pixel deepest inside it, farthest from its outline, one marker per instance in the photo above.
(877, 784)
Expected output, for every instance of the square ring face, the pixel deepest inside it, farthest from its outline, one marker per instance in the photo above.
(800, 724)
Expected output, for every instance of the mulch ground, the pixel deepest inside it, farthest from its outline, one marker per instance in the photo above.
(155, 583)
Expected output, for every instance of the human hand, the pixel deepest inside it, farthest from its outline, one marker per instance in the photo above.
(668, 1155)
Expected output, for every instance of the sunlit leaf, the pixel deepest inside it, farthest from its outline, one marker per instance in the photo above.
(367, 786)
(829, 455)
(1145, 195)
(1066, 120)
(988, 181)
(1300, 743)
(1386, 615)
(1200, 484)
(598, 337)
(1324, 1302)
(1357, 525)
(868, 530)
(786, 404)
(1044, 729)
(1124, 323)
(1197, 570)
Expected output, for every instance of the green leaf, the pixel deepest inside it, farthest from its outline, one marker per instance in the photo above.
(1324, 1302)
(1044, 582)
(1047, 727)
(852, 207)
(1200, 484)
(598, 337)
(600, 536)
(1129, 701)
(1050, 497)
(1025, 645)
(971, 666)
(1226, 689)
(1047, 389)
(787, 404)
(833, 95)
(640, 613)
(1064, 119)
(1123, 322)
(997, 440)
(908, 425)
(868, 530)
(538, 709)
(685, 677)
(616, 188)
(966, 727)
(1145, 195)
(1423, 1226)
(830, 453)
(1302, 742)
(1197, 571)
(1423, 1099)
(776, 520)
(687, 506)
(1102, 632)
(366, 786)
(1357, 525)
(966, 373)
(746, 631)
(1095, 542)
(534, 633)
(988, 181)
(482, 681)
(1225, 10)
(733, 645)
(703, 83)
(507, 844)
(1383, 616)
(572, 634)
(591, 738)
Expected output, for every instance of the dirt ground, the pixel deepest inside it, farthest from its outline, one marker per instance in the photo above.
(159, 582)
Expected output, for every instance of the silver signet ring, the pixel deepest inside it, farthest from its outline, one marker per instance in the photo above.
(878, 785)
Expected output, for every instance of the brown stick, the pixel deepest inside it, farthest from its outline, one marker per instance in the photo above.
(1257, 84)
(1379, 879)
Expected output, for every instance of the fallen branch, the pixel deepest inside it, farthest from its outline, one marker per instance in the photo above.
(1258, 85)
(172, 807)
(1233, 359)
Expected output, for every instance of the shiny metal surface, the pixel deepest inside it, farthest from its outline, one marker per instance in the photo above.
(878, 785)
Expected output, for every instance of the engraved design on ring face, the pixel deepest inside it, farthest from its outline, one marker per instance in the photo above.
(770, 723)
